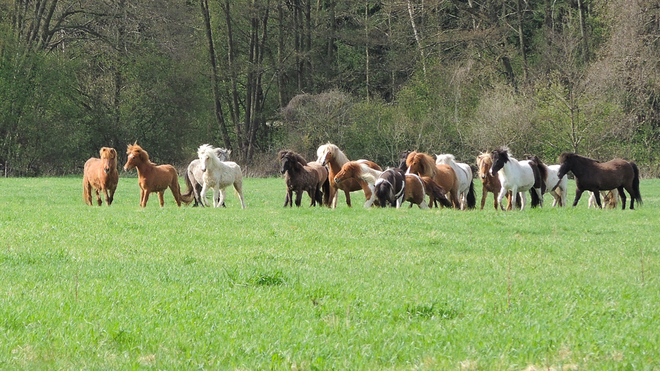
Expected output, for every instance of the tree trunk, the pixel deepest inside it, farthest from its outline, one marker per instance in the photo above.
(231, 57)
(219, 115)
(521, 37)
(417, 37)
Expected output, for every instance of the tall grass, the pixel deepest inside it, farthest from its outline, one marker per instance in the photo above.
(123, 287)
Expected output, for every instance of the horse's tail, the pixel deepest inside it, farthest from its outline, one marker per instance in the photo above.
(187, 197)
(471, 199)
(637, 196)
(326, 190)
(436, 191)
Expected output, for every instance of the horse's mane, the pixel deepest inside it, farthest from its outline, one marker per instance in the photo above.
(502, 152)
(297, 160)
(207, 149)
(573, 156)
(137, 151)
(334, 150)
(446, 159)
(426, 162)
(486, 158)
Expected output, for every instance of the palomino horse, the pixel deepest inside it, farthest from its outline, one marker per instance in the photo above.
(219, 175)
(414, 187)
(594, 176)
(101, 174)
(464, 177)
(194, 176)
(330, 155)
(609, 199)
(152, 177)
(559, 192)
(301, 176)
(519, 177)
(444, 175)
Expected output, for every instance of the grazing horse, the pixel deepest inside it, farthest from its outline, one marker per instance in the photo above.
(519, 176)
(101, 174)
(330, 155)
(194, 176)
(594, 176)
(559, 192)
(390, 186)
(219, 175)
(464, 177)
(152, 177)
(609, 199)
(301, 176)
(444, 175)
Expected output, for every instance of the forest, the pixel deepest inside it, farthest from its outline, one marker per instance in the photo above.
(373, 77)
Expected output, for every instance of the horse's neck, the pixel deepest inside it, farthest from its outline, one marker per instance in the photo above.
(335, 168)
(145, 168)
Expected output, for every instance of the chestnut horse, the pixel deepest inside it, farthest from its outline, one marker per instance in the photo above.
(152, 177)
(594, 176)
(101, 174)
(331, 156)
(444, 175)
(301, 176)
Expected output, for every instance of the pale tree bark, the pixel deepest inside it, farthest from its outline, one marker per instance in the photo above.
(366, 48)
(418, 38)
(219, 115)
(521, 37)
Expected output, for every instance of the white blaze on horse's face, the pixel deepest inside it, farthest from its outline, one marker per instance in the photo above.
(323, 158)
(203, 161)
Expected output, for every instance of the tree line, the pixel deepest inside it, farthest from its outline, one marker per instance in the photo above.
(373, 77)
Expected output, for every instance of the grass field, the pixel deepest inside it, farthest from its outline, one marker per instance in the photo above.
(311, 288)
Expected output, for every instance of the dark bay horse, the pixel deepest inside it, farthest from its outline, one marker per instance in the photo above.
(301, 176)
(594, 176)
(152, 177)
(101, 174)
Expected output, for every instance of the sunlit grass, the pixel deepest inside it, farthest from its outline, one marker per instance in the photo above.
(311, 288)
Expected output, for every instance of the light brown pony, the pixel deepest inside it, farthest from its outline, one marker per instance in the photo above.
(330, 155)
(489, 182)
(101, 174)
(152, 177)
(444, 175)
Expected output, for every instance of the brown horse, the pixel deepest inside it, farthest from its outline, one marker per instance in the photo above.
(152, 177)
(444, 175)
(490, 183)
(330, 155)
(301, 176)
(594, 176)
(101, 174)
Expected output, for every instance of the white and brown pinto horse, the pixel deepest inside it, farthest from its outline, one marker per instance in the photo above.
(595, 176)
(330, 155)
(464, 177)
(519, 177)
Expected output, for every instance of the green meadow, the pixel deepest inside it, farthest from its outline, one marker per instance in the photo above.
(123, 287)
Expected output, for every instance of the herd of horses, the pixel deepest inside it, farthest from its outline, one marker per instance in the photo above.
(446, 182)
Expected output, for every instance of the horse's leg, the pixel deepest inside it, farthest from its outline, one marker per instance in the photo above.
(484, 194)
(523, 199)
(623, 198)
(371, 199)
(578, 194)
(348, 198)
(288, 201)
(422, 205)
(98, 197)
(514, 199)
(202, 196)
(108, 201)
(222, 196)
(500, 196)
(145, 198)
(109, 196)
(161, 199)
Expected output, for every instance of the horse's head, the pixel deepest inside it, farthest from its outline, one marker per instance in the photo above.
(324, 153)
(402, 160)
(291, 161)
(499, 157)
(484, 162)
(206, 154)
(109, 159)
(565, 160)
(351, 169)
(223, 154)
(421, 164)
(445, 159)
(136, 156)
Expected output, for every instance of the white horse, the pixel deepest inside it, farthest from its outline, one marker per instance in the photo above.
(559, 194)
(464, 175)
(194, 175)
(219, 175)
(519, 177)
